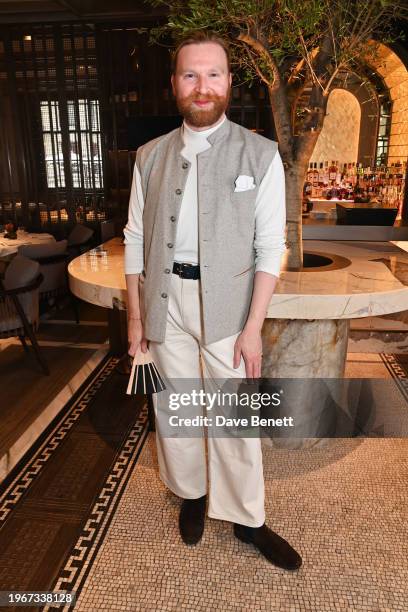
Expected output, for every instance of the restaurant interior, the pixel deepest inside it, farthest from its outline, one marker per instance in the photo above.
(82, 508)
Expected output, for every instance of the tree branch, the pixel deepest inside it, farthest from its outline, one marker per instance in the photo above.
(261, 50)
(277, 94)
(254, 66)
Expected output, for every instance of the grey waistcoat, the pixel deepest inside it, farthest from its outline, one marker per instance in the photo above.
(226, 225)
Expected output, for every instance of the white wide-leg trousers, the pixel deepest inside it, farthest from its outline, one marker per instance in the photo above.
(235, 475)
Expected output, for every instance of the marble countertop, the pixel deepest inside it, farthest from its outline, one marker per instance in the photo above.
(374, 281)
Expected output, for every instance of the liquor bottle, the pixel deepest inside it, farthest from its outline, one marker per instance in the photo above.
(315, 175)
(326, 173)
(338, 173)
(353, 174)
(358, 191)
(398, 172)
(309, 172)
(332, 172)
(321, 174)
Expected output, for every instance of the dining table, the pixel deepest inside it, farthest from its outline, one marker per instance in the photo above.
(9, 246)
(364, 279)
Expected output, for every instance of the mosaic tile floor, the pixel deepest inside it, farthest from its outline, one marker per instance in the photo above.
(343, 506)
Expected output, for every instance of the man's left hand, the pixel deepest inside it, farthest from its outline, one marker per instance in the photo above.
(249, 345)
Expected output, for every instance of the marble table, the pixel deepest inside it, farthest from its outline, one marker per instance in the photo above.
(98, 275)
(10, 247)
(305, 333)
(306, 329)
(365, 279)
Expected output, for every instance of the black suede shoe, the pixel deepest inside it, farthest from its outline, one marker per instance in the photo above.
(277, 550)
(191, 520)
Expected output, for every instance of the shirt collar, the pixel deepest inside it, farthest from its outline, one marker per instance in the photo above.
(222, 130)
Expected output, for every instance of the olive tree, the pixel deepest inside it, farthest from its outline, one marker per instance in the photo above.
(298, 49)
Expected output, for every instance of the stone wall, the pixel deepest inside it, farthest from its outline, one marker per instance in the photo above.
(395, 76)
(338, 140)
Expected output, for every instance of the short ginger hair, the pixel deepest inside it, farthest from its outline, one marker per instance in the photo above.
(199, 37)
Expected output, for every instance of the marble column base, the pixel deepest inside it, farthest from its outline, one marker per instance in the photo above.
(299, 351)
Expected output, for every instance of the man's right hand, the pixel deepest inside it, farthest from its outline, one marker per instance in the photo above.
(136, 337)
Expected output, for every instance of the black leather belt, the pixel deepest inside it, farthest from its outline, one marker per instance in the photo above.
(185, 270)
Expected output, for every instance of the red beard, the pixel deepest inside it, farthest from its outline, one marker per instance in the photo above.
(201, 117)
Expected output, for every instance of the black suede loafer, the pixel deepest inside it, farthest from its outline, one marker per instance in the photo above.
(191, 519)
(274, 548)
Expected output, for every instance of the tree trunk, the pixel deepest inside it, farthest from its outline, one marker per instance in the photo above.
(294, 179)
(295, 152)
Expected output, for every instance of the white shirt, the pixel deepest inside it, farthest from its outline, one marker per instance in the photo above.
(270, 213)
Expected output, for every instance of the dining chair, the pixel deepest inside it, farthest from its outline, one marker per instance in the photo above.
(107, 230)
(53, 259)
(19, 304)
(79, 238)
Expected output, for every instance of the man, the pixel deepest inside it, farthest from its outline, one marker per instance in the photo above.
(206, 226)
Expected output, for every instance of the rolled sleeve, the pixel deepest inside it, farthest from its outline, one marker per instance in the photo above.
(270, 219)
(133, 231)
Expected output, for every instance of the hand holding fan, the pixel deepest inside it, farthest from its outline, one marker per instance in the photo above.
(144, 376)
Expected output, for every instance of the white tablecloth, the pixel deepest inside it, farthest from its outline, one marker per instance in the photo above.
(10, 247)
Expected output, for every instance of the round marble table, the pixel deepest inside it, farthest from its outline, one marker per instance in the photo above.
(305, 333)
(373, 280)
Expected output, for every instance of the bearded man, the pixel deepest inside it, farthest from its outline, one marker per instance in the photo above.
(204, 241)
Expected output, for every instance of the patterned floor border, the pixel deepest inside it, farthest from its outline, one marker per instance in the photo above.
(74, 573)
(72, 576)
(79, 563)
(22, 477)
(398, 373)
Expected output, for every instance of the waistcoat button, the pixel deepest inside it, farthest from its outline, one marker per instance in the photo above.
(172, 218)
(167, 271)
(169, 244)
(164, 295)
(178, 191)
(185, 165)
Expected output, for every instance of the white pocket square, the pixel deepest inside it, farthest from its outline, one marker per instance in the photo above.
(244, 183)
